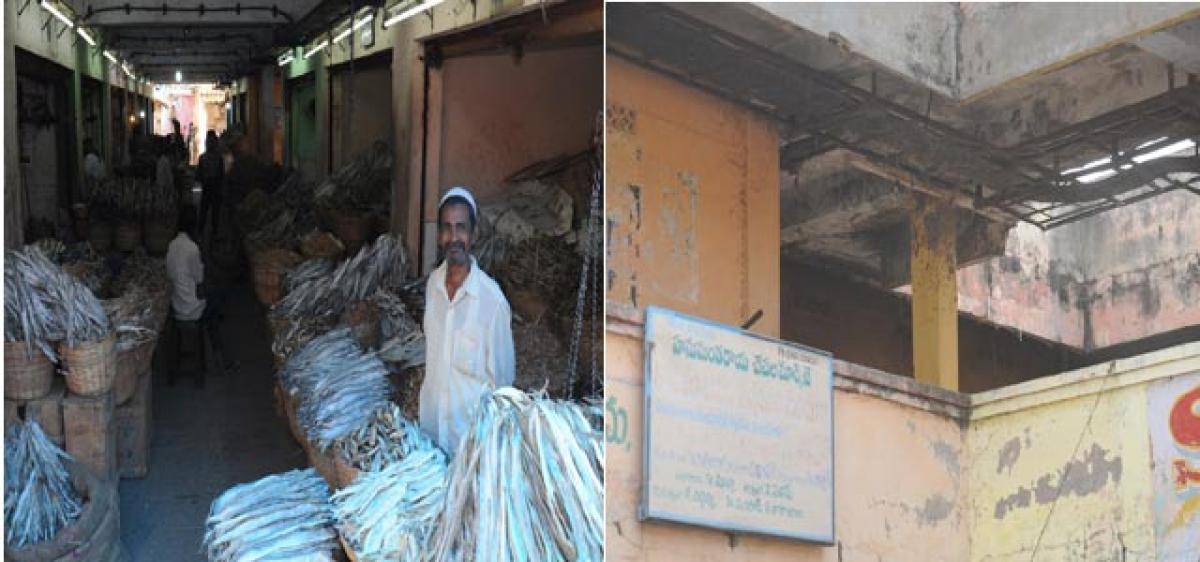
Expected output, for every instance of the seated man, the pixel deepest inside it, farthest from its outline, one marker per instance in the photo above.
(185, 269)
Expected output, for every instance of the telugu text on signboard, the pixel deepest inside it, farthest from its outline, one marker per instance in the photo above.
(739, 430)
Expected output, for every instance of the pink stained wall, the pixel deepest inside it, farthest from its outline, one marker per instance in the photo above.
(499, 116)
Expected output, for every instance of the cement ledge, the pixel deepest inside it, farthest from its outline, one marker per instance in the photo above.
(627, 321)
(1102, 377)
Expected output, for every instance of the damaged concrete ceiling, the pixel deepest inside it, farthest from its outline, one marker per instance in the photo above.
(997, 137)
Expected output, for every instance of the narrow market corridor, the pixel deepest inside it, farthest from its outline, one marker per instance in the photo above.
(206, 440)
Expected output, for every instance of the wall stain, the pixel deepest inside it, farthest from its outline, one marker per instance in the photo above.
(1009, 453)
(1079, 477)
(937, 508)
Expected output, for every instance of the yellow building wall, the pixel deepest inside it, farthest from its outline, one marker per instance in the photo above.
(1062, 468)
(692, 201)
(899, 482)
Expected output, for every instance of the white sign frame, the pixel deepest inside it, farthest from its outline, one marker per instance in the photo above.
(647, 509)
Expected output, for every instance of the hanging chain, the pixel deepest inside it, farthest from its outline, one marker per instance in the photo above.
(590, 236)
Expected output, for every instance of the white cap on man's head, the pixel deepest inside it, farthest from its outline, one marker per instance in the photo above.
(460, 192)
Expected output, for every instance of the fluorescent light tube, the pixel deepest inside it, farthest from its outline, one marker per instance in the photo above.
(1096, 176)
(86, 36)
(410, 12)
(1165, 151)
(364, 21)
(319, 46)
(50, 8)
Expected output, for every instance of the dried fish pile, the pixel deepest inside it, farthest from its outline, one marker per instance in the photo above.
(298, 332)
(39, 498)
(132, 316)
(404, 350)
(160, 203)
(525, 484)
(86, 266)
(361, 185)
(82, 316)
(307, 271)
(117, 198)
(389, 515)
(279, 232)
(380, 265)
(337, 385)
(394, 318)
(388, 437)
(43, 304)
(280, 517)
(541, 359)
(279, 219)
(53, 249)
(144, 271)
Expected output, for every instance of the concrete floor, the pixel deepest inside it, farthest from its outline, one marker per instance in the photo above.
(207, 440)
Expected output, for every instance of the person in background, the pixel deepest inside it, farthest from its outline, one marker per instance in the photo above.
(210, 172)
(164, 170)
(191, 300)
(468, 328)
(93, 168)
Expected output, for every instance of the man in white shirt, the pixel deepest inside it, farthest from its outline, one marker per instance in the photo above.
(93, 168)
(468, 329)
(185, 269)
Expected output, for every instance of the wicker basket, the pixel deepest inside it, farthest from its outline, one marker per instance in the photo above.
(26, 376)
(128, 236)
(352, 229)
(268, 284)
(100, 234)
(322, 245)
(131, 363)
(159, 234)
(91, 367)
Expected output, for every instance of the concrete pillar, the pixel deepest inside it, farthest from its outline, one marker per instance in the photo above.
(324, 132)
(81, 61)
(106, 132)
(934, 293)
(14, 215)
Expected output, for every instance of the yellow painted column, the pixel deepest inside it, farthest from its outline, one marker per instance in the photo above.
(934, 293)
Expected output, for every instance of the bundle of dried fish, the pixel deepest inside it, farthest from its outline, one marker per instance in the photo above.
(533, 464)
(280, 517)
(338, 386)
(53, 248)
(160, 202)
(39, 498)
(405, 350)
(31, 314)
(119, 198)
(82, 315)
(362, 185)
(298, 332)
(307, 272)
(380, 265)
(394, 317)
(277, 233)
(132, 316)
(142, 270)
(385, 439)
(389, 515)
(74, 313)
